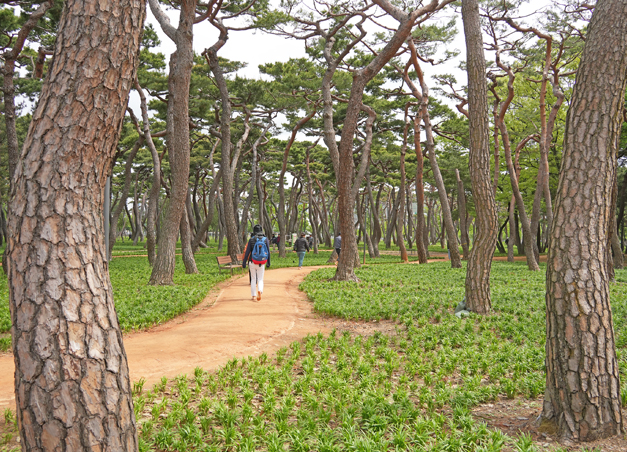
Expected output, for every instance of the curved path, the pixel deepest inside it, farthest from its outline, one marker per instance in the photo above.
(226, 324)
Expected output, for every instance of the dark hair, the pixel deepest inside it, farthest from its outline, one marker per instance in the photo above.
(257, 229)
(302, 234)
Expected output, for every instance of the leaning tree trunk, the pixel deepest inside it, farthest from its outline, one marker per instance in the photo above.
(181, 62)
(480, 262)
(582, 380)
(72, 382)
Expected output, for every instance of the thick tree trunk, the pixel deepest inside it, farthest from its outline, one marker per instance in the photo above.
(582, 382)
(72, 383)
(181, 62)
(480, 262)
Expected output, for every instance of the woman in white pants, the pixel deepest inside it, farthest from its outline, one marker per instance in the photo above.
(257, 255)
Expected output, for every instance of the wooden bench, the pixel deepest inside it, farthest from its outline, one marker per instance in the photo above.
(224, 262)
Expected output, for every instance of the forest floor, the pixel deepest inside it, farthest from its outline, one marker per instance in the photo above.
(229, 324)
(225, 325)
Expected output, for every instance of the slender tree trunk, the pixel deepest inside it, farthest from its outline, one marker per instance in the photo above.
(461, 194)
(401, 195)
(119, 208)
(186, 246)
(72, 383)
(512, 230)
(582, 381)
(480, 262)
(374, 214)
(181, 62)
(229, 159)
(532, 263)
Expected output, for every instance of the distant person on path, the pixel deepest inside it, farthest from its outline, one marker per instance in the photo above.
(337, 244)
(301, 247)
(258, 254)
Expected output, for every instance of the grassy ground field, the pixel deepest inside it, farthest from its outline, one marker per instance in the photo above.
(140, 305)
(413, 390)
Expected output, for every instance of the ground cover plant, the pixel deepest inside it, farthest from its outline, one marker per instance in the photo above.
(413, 390)
(140, 305)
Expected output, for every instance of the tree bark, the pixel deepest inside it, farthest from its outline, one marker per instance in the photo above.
(177, 141)
(582, 381)
(512, 230)
(480, 262)
(461, 196)
(119, 208)
(618, 258)
(186, 246)
(421, 227)
(345, 170)
(423, 97)
(401, 194)
(71, 374)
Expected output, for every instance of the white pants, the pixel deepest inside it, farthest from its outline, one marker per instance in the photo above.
(256, 277)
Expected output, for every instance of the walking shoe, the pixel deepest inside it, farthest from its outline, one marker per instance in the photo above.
(254, 298)
(258, 296)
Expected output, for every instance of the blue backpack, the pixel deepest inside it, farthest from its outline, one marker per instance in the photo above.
(260, 251)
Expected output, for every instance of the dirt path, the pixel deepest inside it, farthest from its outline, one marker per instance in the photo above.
(226, 324)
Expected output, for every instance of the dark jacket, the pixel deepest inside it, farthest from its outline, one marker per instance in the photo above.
(248, 254)
(301, 245)
(337, 242)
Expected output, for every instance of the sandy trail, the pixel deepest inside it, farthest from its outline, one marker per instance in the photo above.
(226, 324)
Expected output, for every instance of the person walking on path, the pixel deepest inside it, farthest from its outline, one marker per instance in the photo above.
(337, 244)
(301, 246)
(257, 255)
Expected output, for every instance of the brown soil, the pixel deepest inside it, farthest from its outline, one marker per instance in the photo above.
(519, 416)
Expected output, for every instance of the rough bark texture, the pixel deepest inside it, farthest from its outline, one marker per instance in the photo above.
(480, 262)
(72, 384)
(177, 140)
(582, 382)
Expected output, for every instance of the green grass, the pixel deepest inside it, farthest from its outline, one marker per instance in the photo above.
(140, 305)
(413, 390)
(409, 391)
